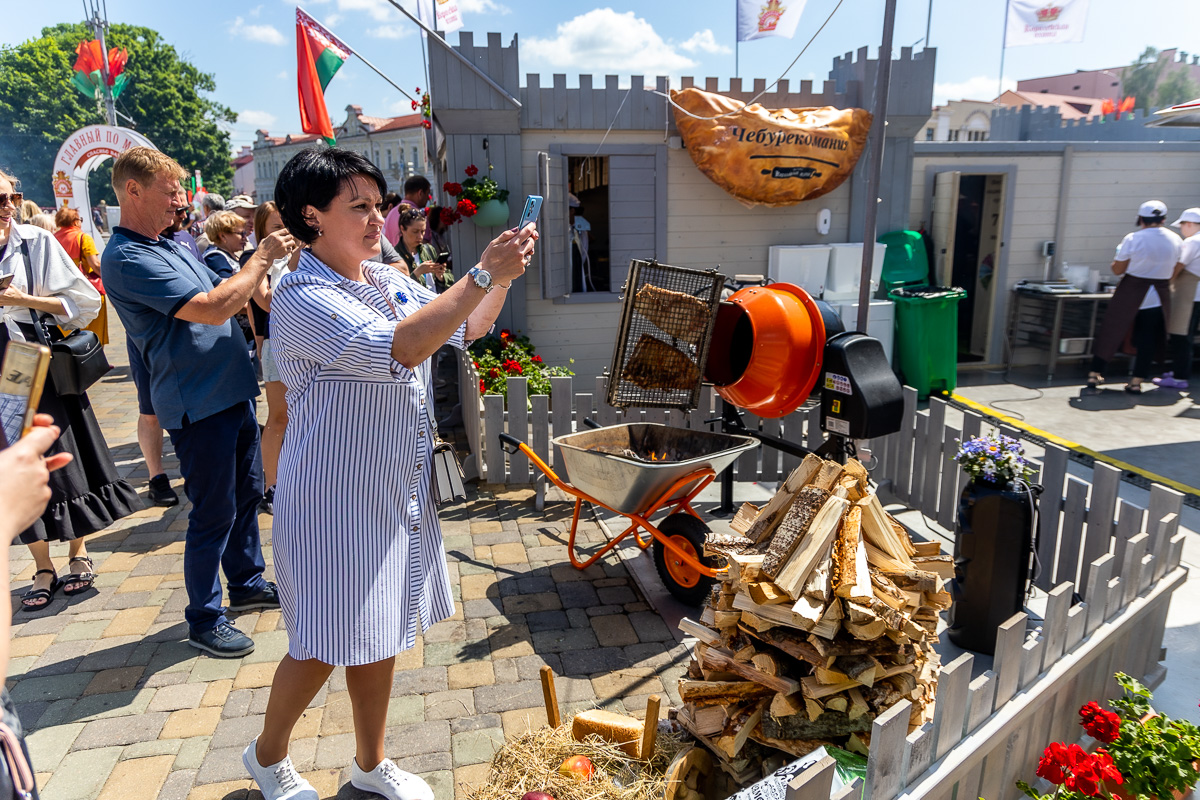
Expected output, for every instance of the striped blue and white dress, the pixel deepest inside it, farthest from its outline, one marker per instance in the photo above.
(357, 547)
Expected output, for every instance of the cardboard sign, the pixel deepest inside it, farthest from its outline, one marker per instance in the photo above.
(773, 157)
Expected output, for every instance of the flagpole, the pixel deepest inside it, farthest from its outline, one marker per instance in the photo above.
(1003, 47)
(357, 55)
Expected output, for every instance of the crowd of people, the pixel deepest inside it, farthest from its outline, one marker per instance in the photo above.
(1157, 300)
(340, 322)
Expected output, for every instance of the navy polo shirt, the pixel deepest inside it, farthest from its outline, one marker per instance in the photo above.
(196, 370)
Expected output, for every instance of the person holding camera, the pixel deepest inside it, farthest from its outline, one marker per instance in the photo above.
(357, 546)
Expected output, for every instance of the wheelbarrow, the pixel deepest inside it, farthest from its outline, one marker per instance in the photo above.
(637, 470)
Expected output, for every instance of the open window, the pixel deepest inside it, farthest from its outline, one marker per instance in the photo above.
(603, 208)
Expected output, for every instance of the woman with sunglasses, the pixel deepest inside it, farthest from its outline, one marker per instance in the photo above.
(86, 495)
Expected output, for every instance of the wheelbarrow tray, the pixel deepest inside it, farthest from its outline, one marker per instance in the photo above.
(631, 485)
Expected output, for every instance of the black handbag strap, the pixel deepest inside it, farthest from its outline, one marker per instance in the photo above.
(39, 331)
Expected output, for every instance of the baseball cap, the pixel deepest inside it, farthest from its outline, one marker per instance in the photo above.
(245, 201)
(1150, 208)
(1189, 215)
(572, 201)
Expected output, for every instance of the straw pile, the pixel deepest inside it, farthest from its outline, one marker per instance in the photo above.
(529, 763)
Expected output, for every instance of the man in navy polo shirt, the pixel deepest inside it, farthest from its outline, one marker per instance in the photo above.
(177, 312)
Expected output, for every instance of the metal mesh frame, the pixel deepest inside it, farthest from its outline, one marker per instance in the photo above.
(705, 286)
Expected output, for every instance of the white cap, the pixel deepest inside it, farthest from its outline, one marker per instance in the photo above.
(1189, 215)
(245, 201)
(1152, 208)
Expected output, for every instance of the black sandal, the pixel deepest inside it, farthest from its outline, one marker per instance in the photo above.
(83, 579)
(1133, 388)
(45, 595)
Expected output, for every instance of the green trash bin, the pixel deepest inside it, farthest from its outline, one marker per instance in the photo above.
(927, 336)
(905, 263)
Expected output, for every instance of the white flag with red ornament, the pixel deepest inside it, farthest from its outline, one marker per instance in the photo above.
(757, 19)
(1045, 22)
(442, 15)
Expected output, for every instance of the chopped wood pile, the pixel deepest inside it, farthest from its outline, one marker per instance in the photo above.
(827, 617)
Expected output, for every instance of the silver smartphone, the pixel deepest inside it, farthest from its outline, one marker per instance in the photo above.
(533, 207)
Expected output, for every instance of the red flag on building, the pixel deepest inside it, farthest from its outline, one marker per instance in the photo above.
(1127, 105)
(319, 55)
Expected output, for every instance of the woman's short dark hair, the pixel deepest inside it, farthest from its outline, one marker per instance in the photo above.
(313, 177)
(410, 215)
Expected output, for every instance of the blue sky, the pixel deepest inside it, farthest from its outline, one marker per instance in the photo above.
(250, 46)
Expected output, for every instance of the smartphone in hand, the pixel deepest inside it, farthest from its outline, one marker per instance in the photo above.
(5, 282)
(533, 207)
(22, 378)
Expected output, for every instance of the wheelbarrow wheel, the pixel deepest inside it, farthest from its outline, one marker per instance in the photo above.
(683, 581)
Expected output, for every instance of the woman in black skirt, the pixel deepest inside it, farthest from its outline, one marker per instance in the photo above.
(86, 495)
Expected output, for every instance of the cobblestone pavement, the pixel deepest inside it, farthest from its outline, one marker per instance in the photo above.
(119, 706)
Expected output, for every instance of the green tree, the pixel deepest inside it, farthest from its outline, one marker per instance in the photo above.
(1141, 77)
(1176, 88)
(166, 97)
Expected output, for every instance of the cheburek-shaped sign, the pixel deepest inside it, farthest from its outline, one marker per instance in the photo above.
(773, 157)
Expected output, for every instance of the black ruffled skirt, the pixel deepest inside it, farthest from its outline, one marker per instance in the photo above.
(86, 495)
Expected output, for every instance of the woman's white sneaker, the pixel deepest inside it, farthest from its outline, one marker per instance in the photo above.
(390, 781)
(279, 781)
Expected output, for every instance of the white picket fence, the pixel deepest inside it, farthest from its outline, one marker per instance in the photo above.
(1121, 560)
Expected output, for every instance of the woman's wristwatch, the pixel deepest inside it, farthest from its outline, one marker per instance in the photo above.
(482, 278)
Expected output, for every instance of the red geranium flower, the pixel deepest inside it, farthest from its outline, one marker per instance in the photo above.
(426, 124)
(512, 367)
(1051, 765)
(471, 171)
(1107, 769)
(505, 335)
(415, 105)
(467, 208)
(1104, 726)
(482, 387)
(476, 363)
(451, 188)
(536, 359)
(494, 372)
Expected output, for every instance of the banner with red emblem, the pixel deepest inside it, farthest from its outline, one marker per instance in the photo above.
(757, 19)
(1045, 22)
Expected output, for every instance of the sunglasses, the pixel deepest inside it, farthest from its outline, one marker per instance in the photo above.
(15, 197)
(179, 212)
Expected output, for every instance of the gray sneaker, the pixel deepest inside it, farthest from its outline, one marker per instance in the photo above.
(223, 641)
(278, 781)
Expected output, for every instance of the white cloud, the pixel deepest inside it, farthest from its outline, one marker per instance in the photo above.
(254, 12)
(483, 7)
(981, 87)
(603, 39)
(259, 119)
(283, 75)
(380, 10)
(705, 41)
(267, 34)
(332, 19)
(399, 31)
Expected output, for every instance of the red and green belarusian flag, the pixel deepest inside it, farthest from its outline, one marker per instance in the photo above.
(89, 69)
(319, 55)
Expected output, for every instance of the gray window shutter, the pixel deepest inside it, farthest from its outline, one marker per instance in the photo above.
(632, 203)
(554, 244)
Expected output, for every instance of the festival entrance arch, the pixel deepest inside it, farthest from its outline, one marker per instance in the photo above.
(82, 152)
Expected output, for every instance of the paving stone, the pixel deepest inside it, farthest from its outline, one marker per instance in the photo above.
(512, 641)
(253, 676)
(614, 631)
(650, 627)
(476, 609)
(579, 594)
(120, 731)
(191, 752)
(445, 631)
(616, 595)
(230, 732)
(654, 654)
(499, 537)
(606, 583)
(520, 720)
(530, 603)
(83, 631)
(59, 658)
(190, 722)
(237, 704)
(178, 785)
(30, 713)
(425, 763)
(157, 747)
(132, 621)
(505, 697)
(223, 764)
(406, 711)
(419, 739)
(578, 618)
(564, 641)
(639, 606)
(52, 687)
(476, 747)
(451, 705)
(122, 679)
(174, 698)
(470, 675)
(508, 554)
(47, 746)
(119, 602)
(478, 722)
(137, 778)
(29, 645)
(212, 669)
(505, 671)
(625, 682)
(216, 693)
(81, 775)
(419, 681)
(269, 646)
(224, 790)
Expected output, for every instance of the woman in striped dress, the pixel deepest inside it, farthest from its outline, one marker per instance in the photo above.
(357, 549)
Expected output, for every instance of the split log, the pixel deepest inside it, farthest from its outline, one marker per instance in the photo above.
(927, 548)
(744, 655)
(819, 585)
(810, 608)
(887, 592)
(785, 705)
(793, 645)
(755, 623)
(780, 615)
(837, 703)
(860, 668)
(767, 593)
(797, 748)
(885, 563)
(791, 531)
(940, 600)
(829, 725)
(792, 574)
(726, 619)
(709, 720)
(742, 725)
(831, 623)
(766, 664)
(813, 708)
(828, 675)
(744, 518)
(850, 558)
(781, 503)
(725, 544)
(942, 565)
(701, 632)
(877, 530)
(710, 693)
(859, 743)
(723, 660)
(744, 567)
(843, 647)
(817, 690)
(917, 580)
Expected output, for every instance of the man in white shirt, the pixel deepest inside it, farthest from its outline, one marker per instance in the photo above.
(1184, 290)
(1145, 258)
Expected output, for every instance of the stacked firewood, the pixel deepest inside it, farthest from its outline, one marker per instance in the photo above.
(827, 617)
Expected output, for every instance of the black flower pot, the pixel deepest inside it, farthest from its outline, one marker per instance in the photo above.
(992, 555)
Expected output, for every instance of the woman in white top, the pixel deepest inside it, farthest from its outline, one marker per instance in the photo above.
(86, 495)
(357, 548)
(1145, 258)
